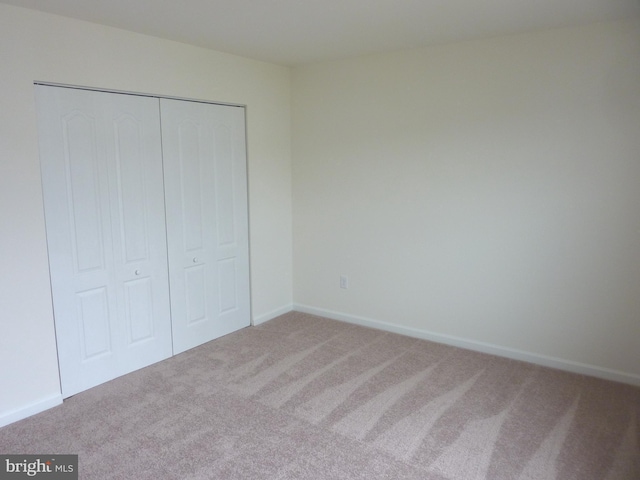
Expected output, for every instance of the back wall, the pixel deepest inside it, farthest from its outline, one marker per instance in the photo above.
(485, 193)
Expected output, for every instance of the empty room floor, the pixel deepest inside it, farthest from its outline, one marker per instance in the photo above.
(306, 397)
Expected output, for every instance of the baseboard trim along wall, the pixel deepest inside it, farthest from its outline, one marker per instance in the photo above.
(265, 317)
(543, 360)
(552, 362)
(31, 409)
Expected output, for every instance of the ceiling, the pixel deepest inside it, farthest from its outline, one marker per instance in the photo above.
(294, 32)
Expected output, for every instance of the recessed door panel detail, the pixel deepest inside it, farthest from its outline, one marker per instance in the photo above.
(93, 314)
(139, 310)
(131, 188)
(227, 285)
(195, 281)
(82, 168)
(224, 185)
(189, 134)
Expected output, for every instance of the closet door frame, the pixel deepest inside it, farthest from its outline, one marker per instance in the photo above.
(247, 308)
(205, 170)
(104, 210)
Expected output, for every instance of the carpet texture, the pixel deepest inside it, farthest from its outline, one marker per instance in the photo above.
(303, 397)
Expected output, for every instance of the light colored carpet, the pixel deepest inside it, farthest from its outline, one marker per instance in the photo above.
(303, 397)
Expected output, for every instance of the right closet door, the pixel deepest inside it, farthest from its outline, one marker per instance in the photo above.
(205, 173)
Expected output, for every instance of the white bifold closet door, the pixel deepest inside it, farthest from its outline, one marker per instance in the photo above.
(133, 283)
(207, 226)
(101, 162)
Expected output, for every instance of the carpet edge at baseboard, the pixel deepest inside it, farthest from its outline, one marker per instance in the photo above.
(265, 317)
(514, 354)
(25, 411)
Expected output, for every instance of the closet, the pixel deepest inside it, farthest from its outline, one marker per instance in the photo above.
(146, 217)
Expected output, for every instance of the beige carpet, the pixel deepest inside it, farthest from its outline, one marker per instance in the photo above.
(302, 397)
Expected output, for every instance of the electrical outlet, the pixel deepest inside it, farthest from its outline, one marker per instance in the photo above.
(344, 281)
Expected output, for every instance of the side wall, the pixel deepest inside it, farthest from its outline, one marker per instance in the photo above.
(41, 47)
(485, 193)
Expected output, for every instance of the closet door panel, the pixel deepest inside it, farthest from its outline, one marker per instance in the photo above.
(84, 170)
(131, 188)
(104, 209)
(231, 207)
(139, 310)
(205, 186)
(139, 237)
(93, 315)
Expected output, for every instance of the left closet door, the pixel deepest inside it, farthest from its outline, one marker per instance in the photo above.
(103, 192)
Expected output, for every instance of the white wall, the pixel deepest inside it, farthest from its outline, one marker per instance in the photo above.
(486, 191)
(36, 46)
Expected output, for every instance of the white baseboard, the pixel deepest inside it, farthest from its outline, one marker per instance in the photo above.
(265, 317)
(31, 409)
(543, 360)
